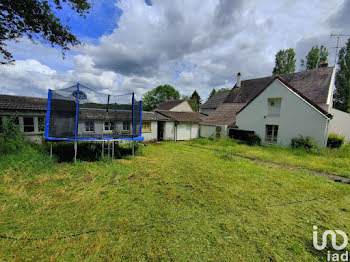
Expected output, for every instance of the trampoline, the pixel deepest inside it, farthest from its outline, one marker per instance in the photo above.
(79, 113)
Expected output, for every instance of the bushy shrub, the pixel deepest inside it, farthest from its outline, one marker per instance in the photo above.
(303, 142)
(335, 141)
(253, 140)
(11, 138)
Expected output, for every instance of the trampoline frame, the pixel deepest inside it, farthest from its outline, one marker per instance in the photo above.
(133, 139)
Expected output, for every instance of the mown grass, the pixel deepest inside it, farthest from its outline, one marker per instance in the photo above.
(334, 161)
(141, 200)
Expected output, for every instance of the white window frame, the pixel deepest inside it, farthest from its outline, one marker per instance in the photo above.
(24, 125)
(88, 125)
(126, 123)
(150, 125)
(108, 126)
(271, 139)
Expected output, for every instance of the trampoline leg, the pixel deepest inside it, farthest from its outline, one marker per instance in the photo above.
(108, 148)
(133, 148)
(113, 149)
(50, 149)
(141, 149)
(75, 150)
(103, 148)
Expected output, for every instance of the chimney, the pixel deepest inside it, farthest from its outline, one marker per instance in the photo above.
(324, 63)
(238, 84)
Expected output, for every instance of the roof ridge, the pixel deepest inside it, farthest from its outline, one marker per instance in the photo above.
(23, 96)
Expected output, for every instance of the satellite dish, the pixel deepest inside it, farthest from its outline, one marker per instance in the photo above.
(82, 95)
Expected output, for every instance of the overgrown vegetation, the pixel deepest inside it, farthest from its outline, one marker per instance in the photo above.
(334, 161)
(173, 203)
(335, 141)
(304, 142)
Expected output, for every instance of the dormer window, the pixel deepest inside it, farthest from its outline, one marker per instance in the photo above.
(274, 106)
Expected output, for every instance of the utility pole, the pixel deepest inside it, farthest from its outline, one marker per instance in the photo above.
(338, 36)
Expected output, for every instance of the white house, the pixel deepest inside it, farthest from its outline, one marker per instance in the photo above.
(182, 123)
(280, 108)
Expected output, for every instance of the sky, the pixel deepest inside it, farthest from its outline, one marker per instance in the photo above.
(136, 45)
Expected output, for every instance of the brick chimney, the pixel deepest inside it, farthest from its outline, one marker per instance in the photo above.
(238, 84)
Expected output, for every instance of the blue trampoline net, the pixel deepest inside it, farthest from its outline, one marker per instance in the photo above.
(81, 113)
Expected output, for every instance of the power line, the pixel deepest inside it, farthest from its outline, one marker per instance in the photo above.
(338, 36)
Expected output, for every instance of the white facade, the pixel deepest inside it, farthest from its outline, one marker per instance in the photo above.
(182, 107)
(187, 131)
(296, 116)
(213, 131)
(151, 136)
(340, 124)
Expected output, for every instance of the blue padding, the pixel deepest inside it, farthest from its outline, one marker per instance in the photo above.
(133, 115)
(138, 138)
(48, 111)
(140, 118)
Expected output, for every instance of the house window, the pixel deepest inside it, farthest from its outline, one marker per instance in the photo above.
(89, 126)
(109, 126)
(28, 124)
(146, 127)
(274, 106)
(271, 134)
(126, 125)
(41, 124)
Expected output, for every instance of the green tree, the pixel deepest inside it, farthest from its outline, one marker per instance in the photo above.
(193, 102)
(284, 62)
(315, 57)
(342, 80)
(159, 95)
(36, 20)
(212, 93)
(198, 100)
(224, 89)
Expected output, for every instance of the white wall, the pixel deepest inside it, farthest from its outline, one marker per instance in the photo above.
(169, 131)
(210, 131)
(152, 135)
(183, 107)
(340, 124)
(297, 117)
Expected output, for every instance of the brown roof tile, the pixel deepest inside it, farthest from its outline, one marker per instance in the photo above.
(225, 114)
(183, 116)
(8, 102)
(170, 104)
(215, 100)
(313, 84)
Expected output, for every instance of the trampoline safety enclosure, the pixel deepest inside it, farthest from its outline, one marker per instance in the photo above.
(79, 113)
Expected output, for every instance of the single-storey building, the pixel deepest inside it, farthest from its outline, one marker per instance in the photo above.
(174, 120)
(280, 108)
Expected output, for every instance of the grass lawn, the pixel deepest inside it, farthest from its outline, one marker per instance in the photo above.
(333, 161)
(139, 207)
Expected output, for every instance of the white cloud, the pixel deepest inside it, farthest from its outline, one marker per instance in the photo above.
(189, 44)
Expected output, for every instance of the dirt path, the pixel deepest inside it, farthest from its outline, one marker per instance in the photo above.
(333, 177)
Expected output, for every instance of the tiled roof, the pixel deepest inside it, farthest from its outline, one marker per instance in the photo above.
(170, 104)
(121, 115)
(225, 114)
(313, 84)
(183, 116)
(8, 102)
(215, 100)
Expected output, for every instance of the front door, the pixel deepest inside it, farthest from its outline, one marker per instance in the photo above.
(160, 135)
